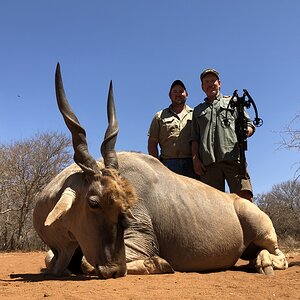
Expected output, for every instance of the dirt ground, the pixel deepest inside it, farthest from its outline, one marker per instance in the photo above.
(20, 278)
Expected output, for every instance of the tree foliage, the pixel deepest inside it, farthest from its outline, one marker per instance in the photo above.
(25, 168)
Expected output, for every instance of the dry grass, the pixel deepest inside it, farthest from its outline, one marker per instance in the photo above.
(290, 246)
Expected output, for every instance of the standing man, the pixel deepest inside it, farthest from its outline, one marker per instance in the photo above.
(170, 129)
(216, 154)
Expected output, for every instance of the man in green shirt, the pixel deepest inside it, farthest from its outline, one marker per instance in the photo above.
(215, 150)
(170, 130)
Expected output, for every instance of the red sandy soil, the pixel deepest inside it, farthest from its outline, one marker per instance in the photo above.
(20, 278)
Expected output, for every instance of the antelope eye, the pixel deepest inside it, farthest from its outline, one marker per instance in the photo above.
(94, 202)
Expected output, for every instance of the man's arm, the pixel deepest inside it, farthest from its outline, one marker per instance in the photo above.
(153, 146)
(250, 126)
(198, 165)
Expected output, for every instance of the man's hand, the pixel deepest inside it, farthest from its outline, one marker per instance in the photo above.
(198, 165)
(249, 131)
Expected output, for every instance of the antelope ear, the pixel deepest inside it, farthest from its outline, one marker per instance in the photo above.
(62, 206)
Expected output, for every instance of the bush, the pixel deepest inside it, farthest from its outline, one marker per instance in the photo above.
(25, 168)
(282, 205)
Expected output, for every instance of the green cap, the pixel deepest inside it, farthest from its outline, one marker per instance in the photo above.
(207, 71)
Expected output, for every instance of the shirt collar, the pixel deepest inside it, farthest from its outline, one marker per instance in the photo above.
(216, 99)
(186, 108)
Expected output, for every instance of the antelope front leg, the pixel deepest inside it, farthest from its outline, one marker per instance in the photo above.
(266, 262)
(152, 265)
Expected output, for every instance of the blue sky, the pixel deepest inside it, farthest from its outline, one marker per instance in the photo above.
(143, 46)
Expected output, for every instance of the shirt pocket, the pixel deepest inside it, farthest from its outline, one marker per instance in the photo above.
(226, 117)
(203, 118)
(169, 124)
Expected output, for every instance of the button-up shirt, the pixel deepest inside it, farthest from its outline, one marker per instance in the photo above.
(172, 132)
(216, 138)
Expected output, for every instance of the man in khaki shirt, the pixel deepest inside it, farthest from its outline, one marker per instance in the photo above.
(216, 154)
(170, 130)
